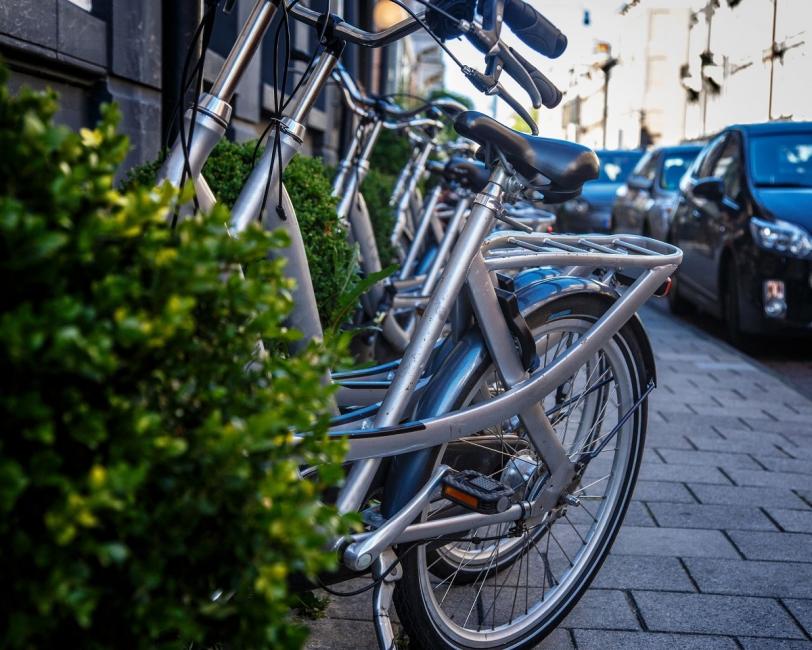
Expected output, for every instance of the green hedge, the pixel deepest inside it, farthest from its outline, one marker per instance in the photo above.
(333, 261)
(376, 189)
(143, 467)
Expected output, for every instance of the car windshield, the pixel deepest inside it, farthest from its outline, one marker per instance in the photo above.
(616, 165)
(674, 167)
(781, 160)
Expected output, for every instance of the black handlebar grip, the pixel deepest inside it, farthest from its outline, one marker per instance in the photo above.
(534, 29)
(550, 94)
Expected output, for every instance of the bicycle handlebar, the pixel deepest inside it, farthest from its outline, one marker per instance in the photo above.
(534, 29)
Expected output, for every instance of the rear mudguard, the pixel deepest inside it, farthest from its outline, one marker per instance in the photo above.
(458, 375)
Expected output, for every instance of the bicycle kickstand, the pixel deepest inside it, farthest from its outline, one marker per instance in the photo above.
(382, 597)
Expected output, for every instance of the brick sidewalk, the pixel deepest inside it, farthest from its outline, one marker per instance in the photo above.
(716, 550)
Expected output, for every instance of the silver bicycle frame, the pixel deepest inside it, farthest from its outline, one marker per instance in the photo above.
(470, 262)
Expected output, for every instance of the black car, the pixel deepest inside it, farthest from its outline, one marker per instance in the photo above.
(644, 205)
(743, 218)
(592, 210)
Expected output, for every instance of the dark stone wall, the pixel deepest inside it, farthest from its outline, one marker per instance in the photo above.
(114, 53)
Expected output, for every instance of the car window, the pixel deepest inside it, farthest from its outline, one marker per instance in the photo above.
(709, 157)
(675, 165)
(728, 166)
(781, 160)
(647, 167)
(616, 165)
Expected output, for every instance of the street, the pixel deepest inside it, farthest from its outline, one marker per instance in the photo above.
(716, 549)
(789, 358)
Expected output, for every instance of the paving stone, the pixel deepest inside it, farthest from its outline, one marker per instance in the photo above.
(673, 542)
(637, 515)
(793, 465)
(791, 547)
(643, 572)
(746, 578)
(694, 421)
(792, 521)
(662, 491)
(801, 610)
(558, 639)
(773, 644)
(681, 473)
(765, 497)
(350, 607)
(770, 479)
(712, 458)
(695, 515)
(780, 426)
(734, 410)
(712, 614)
(595, 640)
(740, 434)
(602, 609)
(341, 634)
(801, 453)
(656, 440)
(740, 445)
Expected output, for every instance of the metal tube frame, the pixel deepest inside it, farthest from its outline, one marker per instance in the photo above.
(470, 263)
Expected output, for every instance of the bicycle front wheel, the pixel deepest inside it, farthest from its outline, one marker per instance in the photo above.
(507, 587)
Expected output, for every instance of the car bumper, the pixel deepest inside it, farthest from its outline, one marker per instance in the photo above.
(797, 278)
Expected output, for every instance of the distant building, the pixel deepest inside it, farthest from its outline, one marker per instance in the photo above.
(688, 68)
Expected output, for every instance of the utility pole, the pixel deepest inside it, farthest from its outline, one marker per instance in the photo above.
(709, 10)
(773, 56)
(606, 68)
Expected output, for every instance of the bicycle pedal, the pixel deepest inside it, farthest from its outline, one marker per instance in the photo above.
(477, 492)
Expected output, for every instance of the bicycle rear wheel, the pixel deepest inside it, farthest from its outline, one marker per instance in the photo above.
(508, 587)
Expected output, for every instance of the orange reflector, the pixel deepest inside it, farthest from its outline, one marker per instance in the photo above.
(457, 495)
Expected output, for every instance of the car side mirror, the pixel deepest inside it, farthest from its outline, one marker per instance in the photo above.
(712, 188)
(640, 183)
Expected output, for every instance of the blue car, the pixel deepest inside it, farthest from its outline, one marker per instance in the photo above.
(592, 211)
(743, 219)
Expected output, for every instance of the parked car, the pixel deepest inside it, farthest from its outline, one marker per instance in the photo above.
(592, 210)
(743, 218)
(644, 204)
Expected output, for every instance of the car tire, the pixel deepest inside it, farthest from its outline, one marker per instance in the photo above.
(731, 314)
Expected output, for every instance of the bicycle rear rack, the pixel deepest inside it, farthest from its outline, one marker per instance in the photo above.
(516, 250)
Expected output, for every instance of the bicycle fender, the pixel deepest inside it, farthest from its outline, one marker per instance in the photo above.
(457, 376)
(539, 293)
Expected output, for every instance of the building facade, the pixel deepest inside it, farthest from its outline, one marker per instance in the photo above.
(684, 69)
(132, 52)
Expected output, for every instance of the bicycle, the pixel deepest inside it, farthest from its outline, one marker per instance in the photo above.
(475, 468)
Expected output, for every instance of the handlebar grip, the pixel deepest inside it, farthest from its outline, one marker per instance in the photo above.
(534, 29)
(550, 95)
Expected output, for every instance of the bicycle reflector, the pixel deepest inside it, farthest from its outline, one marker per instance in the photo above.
(476, 491)
(443, 26)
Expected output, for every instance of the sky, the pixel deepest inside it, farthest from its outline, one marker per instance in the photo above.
(568, 15)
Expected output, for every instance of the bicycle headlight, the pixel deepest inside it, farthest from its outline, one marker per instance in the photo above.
(782, 237)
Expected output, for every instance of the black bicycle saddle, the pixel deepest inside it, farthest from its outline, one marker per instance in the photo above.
(556, 168)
